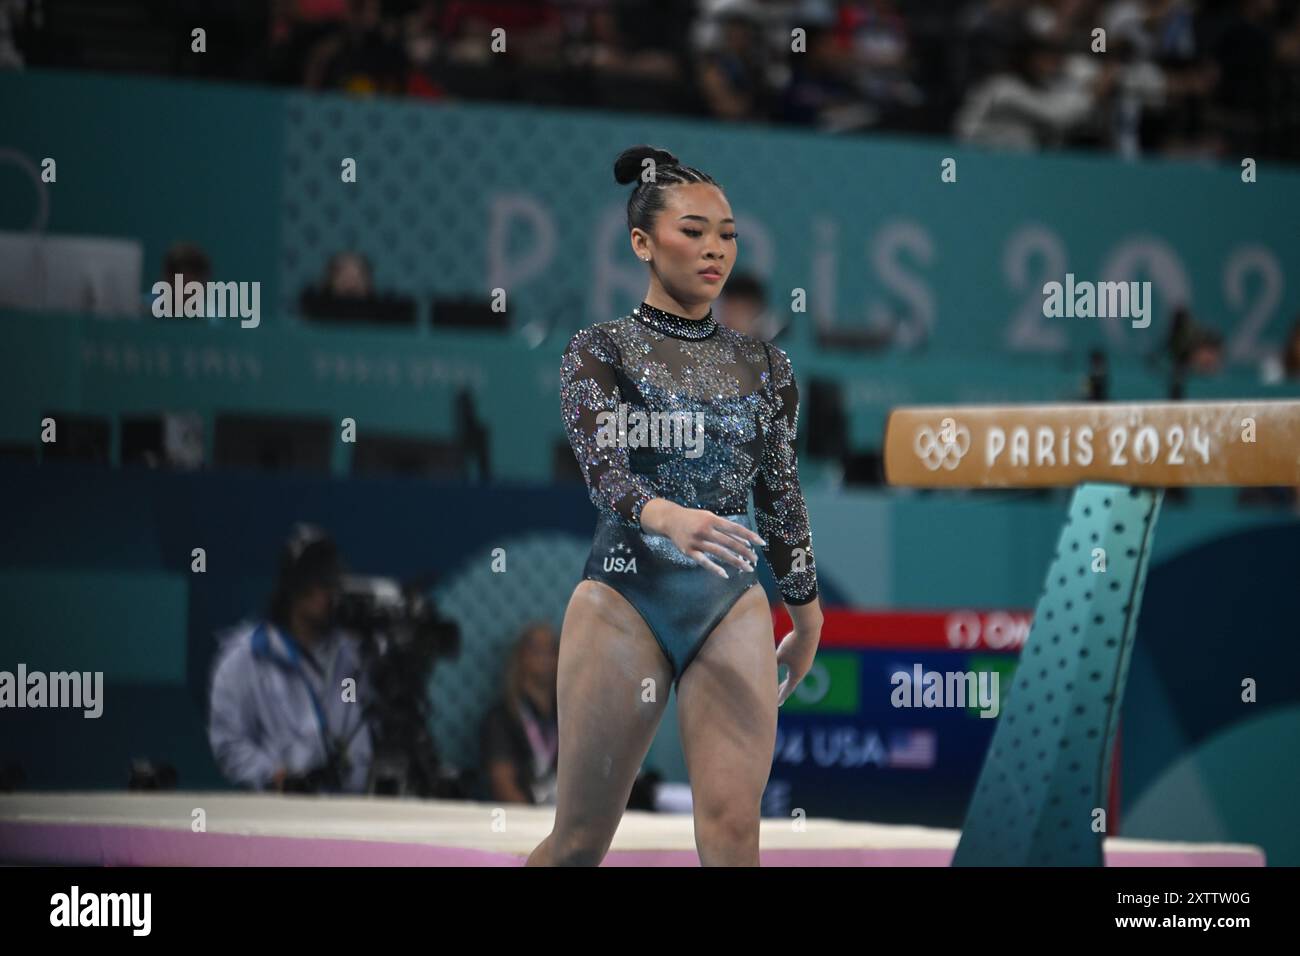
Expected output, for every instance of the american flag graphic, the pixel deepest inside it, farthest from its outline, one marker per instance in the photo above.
(911, 748)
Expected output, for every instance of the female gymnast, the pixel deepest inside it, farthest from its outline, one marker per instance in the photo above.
(669, 592)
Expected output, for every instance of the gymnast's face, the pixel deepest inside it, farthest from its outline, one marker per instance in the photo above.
(693, 247)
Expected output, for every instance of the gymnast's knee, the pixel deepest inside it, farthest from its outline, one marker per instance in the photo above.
(730, 821)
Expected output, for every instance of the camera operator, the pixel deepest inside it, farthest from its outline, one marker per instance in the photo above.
(281, 718)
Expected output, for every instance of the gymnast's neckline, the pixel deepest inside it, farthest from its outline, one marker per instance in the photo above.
(678, 326)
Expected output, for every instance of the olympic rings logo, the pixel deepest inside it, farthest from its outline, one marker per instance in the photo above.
(944, 448)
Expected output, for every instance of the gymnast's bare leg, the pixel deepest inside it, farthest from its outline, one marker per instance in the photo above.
(726, 711)
(606, 725)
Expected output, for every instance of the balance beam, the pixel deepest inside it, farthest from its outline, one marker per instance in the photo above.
(1143, 444)
(1041, 795)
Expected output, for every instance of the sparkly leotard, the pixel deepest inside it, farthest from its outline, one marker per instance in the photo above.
(742, 392)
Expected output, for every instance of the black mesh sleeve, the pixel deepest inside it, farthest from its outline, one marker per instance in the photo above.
(779, 509)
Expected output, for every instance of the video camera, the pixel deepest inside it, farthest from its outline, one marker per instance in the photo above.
(402, 637)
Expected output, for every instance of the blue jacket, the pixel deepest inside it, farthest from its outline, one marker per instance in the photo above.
(263, 717)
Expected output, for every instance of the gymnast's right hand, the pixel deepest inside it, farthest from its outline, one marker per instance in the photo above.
(702, 536)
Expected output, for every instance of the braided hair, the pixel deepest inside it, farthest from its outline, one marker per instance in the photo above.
(648, 199)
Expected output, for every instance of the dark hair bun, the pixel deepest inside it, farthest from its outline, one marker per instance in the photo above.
(627, 168)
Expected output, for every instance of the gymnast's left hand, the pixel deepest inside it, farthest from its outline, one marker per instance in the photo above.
(798, 648)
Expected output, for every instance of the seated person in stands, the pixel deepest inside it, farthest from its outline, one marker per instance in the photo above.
(185, 259)
(518, 739)
(347, 293)
(348, 276)
(743, 307)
